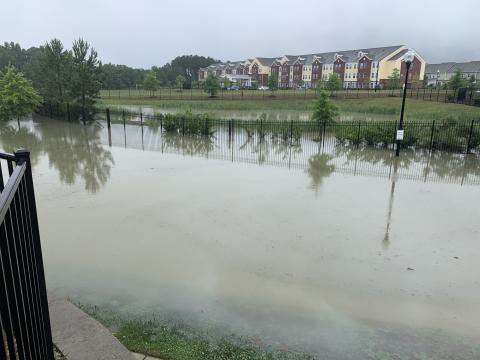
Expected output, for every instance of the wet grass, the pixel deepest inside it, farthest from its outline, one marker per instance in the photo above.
(149, 337)
(415, 110)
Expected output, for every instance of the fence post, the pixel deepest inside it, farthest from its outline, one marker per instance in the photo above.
(183, 126)
(358, 134)
(23, 157)
(430, 147)
(446, 93)
(470, 137)
(141, 119)
(291, 132)
(394, 135)
(68, 111)
(108, 118)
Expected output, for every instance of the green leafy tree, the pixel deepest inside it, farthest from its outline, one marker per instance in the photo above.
(325, 110)
(393, 81)
(179, 81)
(226, 82)
(85, 77)
(194, 84)
(18, 98)
(212, 85)
(457, 81)
(53, 72)
(472, 83)
(151, 83)
(333, 82)
(272, 83)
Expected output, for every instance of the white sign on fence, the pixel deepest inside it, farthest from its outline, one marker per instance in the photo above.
(399, 134)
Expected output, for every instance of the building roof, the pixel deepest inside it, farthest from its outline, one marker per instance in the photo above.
(451, 67)
(434, 68)
(471, 66)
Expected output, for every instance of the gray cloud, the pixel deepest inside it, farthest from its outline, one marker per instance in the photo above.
(143, 33)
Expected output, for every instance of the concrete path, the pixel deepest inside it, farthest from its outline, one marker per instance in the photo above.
(79, 337)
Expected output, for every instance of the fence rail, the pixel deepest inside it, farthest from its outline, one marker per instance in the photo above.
(24, 316)
(451, 136)
(462, 96)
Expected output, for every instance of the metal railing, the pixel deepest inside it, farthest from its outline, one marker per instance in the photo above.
(24, 315)
(448, 135)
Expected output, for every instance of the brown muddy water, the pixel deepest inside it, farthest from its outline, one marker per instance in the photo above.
(270, 115)
(337, 252)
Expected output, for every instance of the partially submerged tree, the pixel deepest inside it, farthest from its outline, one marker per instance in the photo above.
(150, 83)
(85, 77)
(54, 71)
(212, 85)
(393, 82)
(18, 98)
(325, 110)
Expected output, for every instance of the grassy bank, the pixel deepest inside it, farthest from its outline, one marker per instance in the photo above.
(181, 343)
(415, 109)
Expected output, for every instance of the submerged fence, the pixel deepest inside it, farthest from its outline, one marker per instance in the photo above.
(461, 96)
(452, 136)
(24, 315)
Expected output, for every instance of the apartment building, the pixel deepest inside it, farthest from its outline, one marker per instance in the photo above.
(361, 68)
(439, 74)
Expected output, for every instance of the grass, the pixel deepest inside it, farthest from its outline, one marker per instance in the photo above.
(390, 106)
(149, 337)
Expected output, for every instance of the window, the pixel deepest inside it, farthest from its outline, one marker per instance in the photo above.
(373, 65)
(354, 66)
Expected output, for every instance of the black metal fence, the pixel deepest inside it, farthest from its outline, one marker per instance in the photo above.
(467, 96)
(24, 315)
(452, 136)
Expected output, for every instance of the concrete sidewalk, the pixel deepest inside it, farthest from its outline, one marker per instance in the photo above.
(79, 337)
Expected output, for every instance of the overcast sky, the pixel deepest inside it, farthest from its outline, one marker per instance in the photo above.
(143, 33)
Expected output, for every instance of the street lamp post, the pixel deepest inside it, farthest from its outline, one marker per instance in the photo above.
(408, 58)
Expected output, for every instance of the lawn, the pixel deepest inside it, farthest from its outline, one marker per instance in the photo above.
(415, 109)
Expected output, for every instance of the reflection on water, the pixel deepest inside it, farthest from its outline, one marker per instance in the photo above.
(271, 115)
(303, 245)
(304, 153)
(74, 151)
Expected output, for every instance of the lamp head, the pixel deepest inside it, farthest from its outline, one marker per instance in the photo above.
(409, 56)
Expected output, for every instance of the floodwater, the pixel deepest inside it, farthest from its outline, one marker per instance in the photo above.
(271, 115)
(337, 252)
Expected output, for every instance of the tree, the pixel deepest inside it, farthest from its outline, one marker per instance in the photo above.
(226, 82)
(212, 85)
(85, 76)
(180, 80)
(18, 98)
(457, 81)
(53, 72)
(272, 83)
(471, 82)
(325, 110)
(333, 82)
(394, 80)
(151, 83)
(194, 84)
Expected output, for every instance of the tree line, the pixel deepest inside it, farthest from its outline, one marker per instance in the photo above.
(53, 74)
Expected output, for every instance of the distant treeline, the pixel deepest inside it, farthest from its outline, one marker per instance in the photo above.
(110, 76)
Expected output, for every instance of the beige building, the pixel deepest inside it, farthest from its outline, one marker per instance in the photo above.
(360, 68)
